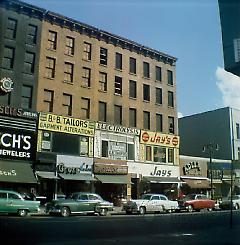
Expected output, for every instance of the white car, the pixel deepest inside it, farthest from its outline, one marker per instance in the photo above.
(150, 203)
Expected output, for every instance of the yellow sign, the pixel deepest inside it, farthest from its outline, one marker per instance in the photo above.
(156, 138)
(66, 125)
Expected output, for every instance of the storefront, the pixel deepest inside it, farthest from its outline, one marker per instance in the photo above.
(64, 140)
(17, 149)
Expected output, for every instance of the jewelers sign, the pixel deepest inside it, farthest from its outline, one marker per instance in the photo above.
(66, 125)
(156, 138)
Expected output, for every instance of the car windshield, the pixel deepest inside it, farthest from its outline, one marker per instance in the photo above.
(146, 197)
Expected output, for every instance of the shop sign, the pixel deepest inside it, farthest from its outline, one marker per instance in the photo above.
(156, 138)
(16, 144)
(117, 129)
(68, 125)
(6, 85)
(192, 168)
(17, 112)
(117, 150)
(74, 165)
(101, 168)
(153, 170)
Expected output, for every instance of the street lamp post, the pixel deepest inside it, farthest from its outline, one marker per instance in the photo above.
(211, 147)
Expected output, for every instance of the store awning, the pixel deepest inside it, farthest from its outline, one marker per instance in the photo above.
(198, 183)
(46, 175)
(83, 177)
(16, 172)
(162, 180)
(112, 179)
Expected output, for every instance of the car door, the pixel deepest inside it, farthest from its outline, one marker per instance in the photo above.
(165, 202)
(155, 204)
(83, 204)
(94, 200)
(3, 202)
(14, 202)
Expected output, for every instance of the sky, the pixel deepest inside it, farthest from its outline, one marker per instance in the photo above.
(186, 29)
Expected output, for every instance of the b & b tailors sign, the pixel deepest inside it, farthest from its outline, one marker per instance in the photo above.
(156, 138)
(69, 125)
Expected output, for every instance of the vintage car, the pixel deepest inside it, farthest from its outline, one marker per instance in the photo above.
(226, 203)
(150, 203)
(12, 202)
(79, 203)
(196, 202)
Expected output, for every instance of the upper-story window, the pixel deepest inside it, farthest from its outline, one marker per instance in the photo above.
(8, 57)
(132, 117)
(87, 51)
(171, 125)
(11, 30)
(68, 72)
(158, 73)
(158, 96)
(85, 108)
(67, 103)
(146, 120)
(170, 77)
(118, 114)
(118, 85)
(31, 34)
(103, 56)
(52, 40)
(146, 70)
(132, 65)
(29, 62)
(102, 81)
(118, 61)
(86, 78)
(26, 97)
(102, 111)
(146, 92)
(50, 67)
(48, 100)
(159, 123)
(170, 99)
(132, 89)
(69, 48)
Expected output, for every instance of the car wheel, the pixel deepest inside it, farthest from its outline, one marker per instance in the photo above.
(103, 211)
(142, 210)
(209, 209)
(190, 208)
(22, 212)
(65, 212)
(236, 206)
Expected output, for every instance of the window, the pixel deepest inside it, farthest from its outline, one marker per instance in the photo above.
(104, 148)
(8, 58)
(132, 89)
(148, 153)
(132, 117)
(87, 51)
(86, 78)
(158, 74)
(103, 56)
(52, 40)
(131, 152)
(31, 34)
(29, 61)
(69, 48)
(118, 61)
(159, 154)
(118, 114)
(159, 96)
(118, 85)
(102, 81)
(146, 120)
(146, 72)
(67, 103)
(11, 28)
(50, 67)
(48, 100)
(238, 152)
(170, 77)
(170, 99)
(170, 155)
(68, 72)
(171, 125)
(102, 111)
(132, 65)
(237, 131)
(85, 108)
(26, 98)
(146, 92)
(159, 126)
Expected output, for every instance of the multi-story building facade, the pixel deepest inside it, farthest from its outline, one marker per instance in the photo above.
(230, 17)
(81, 73)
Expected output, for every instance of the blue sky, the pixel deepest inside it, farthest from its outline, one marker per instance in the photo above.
(186, 29)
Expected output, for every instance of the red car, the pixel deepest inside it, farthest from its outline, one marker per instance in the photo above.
(196, 202)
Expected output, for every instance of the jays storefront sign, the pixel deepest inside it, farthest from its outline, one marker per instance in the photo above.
(17, 144)
(156, 138)
(69, 125)
(71, 165)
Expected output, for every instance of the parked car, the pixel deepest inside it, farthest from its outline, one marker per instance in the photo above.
(226, 203)
(13, 202)
(150, 203)
(196, 202)
(79, 203)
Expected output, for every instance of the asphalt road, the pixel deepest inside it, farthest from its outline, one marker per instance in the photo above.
(196, 229)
